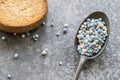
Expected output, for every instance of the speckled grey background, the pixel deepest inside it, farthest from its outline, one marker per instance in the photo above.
(32, 66)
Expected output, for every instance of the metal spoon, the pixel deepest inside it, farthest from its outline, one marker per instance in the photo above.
(83, 59)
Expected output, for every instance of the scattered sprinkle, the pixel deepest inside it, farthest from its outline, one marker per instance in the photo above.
(43, 23)
(57, 34)
(14, 34)
(3, 38)
(16, 56)
(65, 30)
(60, 63)
(44, 53)
(23, 36)
(52, 24)
(9, 76)
(65, 25)
(35, 37)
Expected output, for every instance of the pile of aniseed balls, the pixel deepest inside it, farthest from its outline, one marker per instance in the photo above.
(91, 36)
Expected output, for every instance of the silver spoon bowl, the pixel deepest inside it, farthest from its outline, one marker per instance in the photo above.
(83, 58)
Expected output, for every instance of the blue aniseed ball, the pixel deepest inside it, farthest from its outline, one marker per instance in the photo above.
(79, 48)
(88, 25)
(97, 38)
(99, 30)
(82, 36)
(90, 51)
(90, 39)
(91, 45)
(101, 44)
(95, 23)
(96, 50)
(102, 41)
(88, 54)
(81, 28)
(88, 19)
(80, 52)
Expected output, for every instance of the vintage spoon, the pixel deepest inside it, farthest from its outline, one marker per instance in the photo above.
(83, 59)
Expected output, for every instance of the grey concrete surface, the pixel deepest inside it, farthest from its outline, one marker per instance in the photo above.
(32, 66)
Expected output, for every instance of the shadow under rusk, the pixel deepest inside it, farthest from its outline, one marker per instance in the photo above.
(17, 43)
(83, 59)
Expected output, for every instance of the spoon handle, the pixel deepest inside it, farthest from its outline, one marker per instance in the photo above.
(80, 65)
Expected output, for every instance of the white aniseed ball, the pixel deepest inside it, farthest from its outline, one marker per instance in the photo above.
(35, 39)
(46, 49)
(78, 36)
(43, 23)
(82, 25)
(105, 32)
(23, 35)
(92, 20)
(101, 25)
(85, 41)
(9, 76)
(80, 31)
(44, 52)
(65, 25)
(16, 55)
(87, 36)
(85, 23)
(105, 28)
(3, 38)
(88, 32)
(36, 35)
(83, 30)
(82, 45)
(96, 41)
(103, 38)
(57, 34)
(91, 31)
(99, 47)
(14, 34)
(82, 53)
(96, 32)
(79, 41)
(92, 36)
(60, 63)
(91, 24)
(84, 50)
